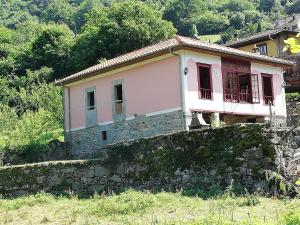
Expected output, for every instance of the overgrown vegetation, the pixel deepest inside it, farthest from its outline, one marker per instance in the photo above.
(293, 97)
(132, 207)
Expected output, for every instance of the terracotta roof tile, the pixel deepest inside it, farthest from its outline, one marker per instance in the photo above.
(178, 41)
(257, 37)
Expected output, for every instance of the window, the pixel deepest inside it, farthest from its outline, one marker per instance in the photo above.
(204, 80)
(90, 100)
(230, 87)
(118, 95)
(268, 89)
(255, 88)
(244, 88)
(239, 84)
(262, 49)
(104, 135)
(241, 87)
(91, 111)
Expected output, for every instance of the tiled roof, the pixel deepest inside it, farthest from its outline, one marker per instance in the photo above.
(257, 37)
(178, 41)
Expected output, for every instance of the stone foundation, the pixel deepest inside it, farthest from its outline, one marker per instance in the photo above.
(89, 142)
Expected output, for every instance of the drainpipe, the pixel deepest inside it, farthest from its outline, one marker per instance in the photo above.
(69, 116)
(183, 108)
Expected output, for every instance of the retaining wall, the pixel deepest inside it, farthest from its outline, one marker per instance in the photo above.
(196, 159)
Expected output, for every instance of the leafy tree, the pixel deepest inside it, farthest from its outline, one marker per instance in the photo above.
(238, 6)
(194, 31)
(52, 49)
(294, 7)
(292, 45)
(59, 11)
(121, 28)
(182, 13)
(84, 7)
(237, 20)
(209, 23)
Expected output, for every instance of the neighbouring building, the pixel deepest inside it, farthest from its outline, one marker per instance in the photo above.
(169, 87)
(271, 43)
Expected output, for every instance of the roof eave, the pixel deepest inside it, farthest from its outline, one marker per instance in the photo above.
(281, 63)
(242, 43)
(117, 66)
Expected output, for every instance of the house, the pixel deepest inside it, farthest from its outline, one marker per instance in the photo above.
(168, 87)
(271, 43)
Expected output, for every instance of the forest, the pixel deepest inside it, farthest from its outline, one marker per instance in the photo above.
(44, 40)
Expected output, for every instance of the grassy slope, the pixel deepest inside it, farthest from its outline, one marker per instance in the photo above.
(144, 208)
(210, 38)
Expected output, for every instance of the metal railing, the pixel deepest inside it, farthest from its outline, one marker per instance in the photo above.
(205, 93)
(245, 97)
(268, 100)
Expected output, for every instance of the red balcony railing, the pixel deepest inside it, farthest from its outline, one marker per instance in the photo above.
(268, 100)
(245, 97)
(205, 93)
(231, 97)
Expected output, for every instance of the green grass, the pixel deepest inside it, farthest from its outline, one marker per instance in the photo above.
(133, 207)
(210, 38)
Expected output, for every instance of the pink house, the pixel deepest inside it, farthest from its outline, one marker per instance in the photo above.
(175, 85)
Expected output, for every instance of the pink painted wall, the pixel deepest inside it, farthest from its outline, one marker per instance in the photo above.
(148, 88)
(218, 105)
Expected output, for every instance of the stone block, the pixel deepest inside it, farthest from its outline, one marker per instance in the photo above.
(101, 171)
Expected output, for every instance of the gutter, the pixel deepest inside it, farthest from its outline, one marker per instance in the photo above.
(182, 94)
(69, 116)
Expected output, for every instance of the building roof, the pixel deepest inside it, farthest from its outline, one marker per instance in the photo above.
(166, 47)
(262, 36)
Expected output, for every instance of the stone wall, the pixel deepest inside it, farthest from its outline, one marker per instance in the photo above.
(89, 143)
(196, 159)
(293, 113)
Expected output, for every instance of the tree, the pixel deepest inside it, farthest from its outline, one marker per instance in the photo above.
(237, 20)
(210, 23)
(118, 29)
(292, 45)
(194, 31)
(59, 11)
(182, 13)
(238, 6)
(84, 7)
(294, 7)
(52, 49)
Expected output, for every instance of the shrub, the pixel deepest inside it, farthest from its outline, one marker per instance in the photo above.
(293, 97)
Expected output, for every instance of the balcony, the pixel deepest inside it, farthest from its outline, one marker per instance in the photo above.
(268, 100)
(205, 94)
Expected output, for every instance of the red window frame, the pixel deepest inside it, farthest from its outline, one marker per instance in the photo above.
(265, 98)
(244, 97)
(202, 93)
(235, 94)
(232, 80)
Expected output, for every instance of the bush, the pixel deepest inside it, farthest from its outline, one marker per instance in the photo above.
(26, 137)
(293, 97)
